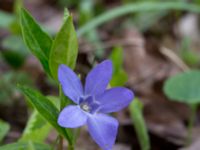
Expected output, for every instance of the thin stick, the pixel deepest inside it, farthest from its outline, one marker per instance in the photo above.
(174, 58)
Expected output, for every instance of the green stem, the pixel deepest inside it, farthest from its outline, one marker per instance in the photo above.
(63, 102)
(55, 143)
(61, 98)
(193, 108)
(70, 147)
(76, 134)
(60, 146)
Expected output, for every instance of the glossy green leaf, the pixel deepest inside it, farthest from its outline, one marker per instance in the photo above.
(119, 75)
(4, 128)
(136, 108)
(35, 125)
(65, 48)
(25, 146)
(36, 39)
(184, 87)
(46, 108)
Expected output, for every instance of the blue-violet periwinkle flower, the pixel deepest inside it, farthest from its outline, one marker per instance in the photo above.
(93, 102)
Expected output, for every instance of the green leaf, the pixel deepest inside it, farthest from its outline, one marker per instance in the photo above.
(66, 14)
(136, 108)
(133, 8)
(119, 75)
(6, 19)
(8, 82)
(4, 128)
(189, 56)
(86, 13)
(117, 58)
(36, 39)
(35, 125)
(139, 20)
(25, 146)
(46, 109)
(184, 87)
(65, 48)
(119, 78)
(15, 51)
(15, 28)
(15, 43)
(14, 59)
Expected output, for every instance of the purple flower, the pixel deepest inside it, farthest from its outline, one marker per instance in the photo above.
(93, 102)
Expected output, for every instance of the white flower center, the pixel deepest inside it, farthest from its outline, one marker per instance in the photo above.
(85, 107)
(88, 104)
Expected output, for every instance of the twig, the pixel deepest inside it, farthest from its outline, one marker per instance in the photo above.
(174, 58)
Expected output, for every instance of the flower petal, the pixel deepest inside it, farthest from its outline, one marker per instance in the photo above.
(71, 84)
(114, 99)
(72, 117)
(98, 78)
(103, 130)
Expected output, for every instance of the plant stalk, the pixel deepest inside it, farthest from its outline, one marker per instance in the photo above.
(193, 108)
(63, 102)
(60, 146)
(70, 147)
